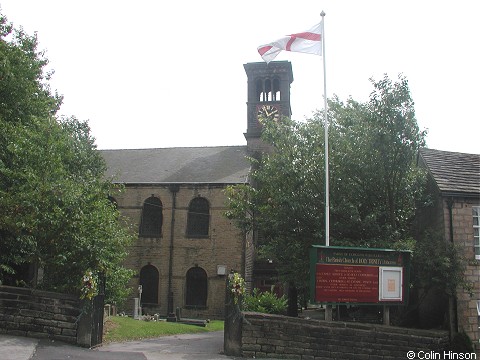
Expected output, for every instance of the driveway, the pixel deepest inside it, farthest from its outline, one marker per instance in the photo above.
(189, 346)
(206, 346)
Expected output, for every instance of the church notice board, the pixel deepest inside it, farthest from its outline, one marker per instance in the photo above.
(347, 275)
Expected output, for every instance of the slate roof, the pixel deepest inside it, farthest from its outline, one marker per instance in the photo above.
(213, 165)
(453, 172)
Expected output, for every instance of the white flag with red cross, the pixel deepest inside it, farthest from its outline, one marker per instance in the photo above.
(309, 42)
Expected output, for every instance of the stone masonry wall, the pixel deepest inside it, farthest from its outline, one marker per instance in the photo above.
(225, 245)
(274, 336)
(467, 315)
(438, 217)
(40, 314)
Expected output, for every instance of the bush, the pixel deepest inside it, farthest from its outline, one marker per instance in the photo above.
(265, 302)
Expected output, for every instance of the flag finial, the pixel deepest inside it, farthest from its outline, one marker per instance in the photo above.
(322, 14)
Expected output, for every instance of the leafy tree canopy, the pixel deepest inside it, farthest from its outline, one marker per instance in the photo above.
(374, 182)
(54, 206)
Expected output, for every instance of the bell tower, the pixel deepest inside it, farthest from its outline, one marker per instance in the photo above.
(268, 96)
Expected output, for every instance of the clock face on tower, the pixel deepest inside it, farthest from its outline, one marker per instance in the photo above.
(268, 112)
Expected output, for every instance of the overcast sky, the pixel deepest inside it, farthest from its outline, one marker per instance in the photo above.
(151, 73)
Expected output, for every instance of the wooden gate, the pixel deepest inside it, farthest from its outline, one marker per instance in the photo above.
(98, 313)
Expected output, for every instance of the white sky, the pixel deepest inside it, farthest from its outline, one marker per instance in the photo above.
(151, 73)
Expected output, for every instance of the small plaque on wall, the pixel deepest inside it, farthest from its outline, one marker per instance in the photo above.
(221, 270)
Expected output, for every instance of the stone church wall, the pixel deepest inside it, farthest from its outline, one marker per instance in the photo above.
(224, 245)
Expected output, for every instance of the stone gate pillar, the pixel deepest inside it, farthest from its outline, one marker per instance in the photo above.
(232, 341)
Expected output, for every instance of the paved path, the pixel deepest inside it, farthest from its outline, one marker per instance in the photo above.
(206, 346)
(188, 346)
(16, 348)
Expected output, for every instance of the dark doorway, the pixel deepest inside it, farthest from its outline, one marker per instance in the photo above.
(149, 281)
(196, 287)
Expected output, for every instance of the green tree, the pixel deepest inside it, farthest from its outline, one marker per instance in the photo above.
(374, 182)
(374, 178)
(55, 210)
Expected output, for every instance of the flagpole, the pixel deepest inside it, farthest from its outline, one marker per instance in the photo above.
(327, 186)
(328, 308)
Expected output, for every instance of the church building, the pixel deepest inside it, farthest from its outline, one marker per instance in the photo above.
(174, 200)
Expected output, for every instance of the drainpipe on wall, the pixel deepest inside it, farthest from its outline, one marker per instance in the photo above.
(452, 303)
(450, 214)
(170, 313)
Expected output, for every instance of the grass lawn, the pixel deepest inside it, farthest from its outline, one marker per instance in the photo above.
(119, 328)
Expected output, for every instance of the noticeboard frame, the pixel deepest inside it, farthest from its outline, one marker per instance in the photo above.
(352, 260)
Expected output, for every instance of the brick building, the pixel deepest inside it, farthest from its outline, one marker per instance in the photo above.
(174, 198)
(454, 182)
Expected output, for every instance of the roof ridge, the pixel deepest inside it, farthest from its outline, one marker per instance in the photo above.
(176, 147)
(447, 151)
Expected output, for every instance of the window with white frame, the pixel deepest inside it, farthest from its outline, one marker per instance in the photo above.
(476, 230)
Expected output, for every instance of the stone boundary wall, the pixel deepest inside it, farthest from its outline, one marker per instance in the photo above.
(39, 314)
(275, 336)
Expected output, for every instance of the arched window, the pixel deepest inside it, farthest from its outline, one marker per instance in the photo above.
(259, 88)
(268, 89)
(276, 90)
(198, 217)
(196, 287)
(149, 281)
(152, 218)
